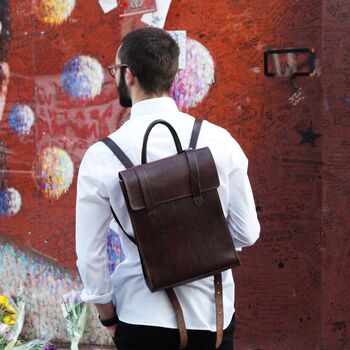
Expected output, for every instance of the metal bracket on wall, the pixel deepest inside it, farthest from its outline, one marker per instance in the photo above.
(289, 63)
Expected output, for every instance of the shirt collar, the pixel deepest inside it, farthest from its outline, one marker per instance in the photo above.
(153, 106)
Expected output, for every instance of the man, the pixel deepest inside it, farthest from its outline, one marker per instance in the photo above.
(146, 63)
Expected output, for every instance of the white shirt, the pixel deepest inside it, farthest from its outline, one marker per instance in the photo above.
(98, 186)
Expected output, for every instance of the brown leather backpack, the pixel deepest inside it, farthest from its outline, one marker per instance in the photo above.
(180, 229)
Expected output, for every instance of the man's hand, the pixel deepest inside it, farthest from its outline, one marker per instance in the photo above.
(106, 312)
(112, 330)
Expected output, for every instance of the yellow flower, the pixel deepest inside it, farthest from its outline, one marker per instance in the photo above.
(7, 311)
(9, 319)
(10, 309)
(4, 301)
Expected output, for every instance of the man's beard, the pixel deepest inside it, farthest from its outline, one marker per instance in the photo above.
(124, 95)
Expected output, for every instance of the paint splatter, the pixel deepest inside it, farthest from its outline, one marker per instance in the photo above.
(4, 81)
(54, 171)
(192, 84)
(114, 250)
(297, 97)
(10, 202)
(53, 11)
(82, 77)
(21, 119)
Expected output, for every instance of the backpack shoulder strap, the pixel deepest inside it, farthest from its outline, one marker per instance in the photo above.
(123, 158)
(118, 152)
(195, 133)
(132, 239)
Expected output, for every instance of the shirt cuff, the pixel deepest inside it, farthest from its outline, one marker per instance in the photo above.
(96, 299)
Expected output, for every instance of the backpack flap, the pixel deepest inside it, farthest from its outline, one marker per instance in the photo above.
(169, 179)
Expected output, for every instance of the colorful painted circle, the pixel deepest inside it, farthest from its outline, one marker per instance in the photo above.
(21, 119)
(10, 202)
(53, 11)
(54, 171)
(192, 84)
(114, 250)
(82, 77)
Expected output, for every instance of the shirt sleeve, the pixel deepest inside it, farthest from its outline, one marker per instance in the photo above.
(242, 217)
(93, 217)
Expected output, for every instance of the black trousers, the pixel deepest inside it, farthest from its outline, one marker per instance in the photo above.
(136, 337)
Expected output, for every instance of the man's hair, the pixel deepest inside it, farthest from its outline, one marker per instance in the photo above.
(153, 56)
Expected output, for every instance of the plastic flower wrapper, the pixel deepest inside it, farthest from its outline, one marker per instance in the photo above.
(75, 311)
(6, 334)
(36, 344)
(49, 347)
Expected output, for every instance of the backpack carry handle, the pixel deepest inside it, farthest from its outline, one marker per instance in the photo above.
(145, 138)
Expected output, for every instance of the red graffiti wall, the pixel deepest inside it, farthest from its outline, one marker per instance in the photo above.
(292, 287)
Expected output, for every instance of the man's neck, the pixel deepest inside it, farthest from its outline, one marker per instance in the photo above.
(143, 96)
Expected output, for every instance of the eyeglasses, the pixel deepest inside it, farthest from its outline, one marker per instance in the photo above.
(112, 68)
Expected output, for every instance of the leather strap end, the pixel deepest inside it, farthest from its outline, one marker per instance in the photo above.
(218, 341)
(179, 317)
(183, 340)
(219, 309)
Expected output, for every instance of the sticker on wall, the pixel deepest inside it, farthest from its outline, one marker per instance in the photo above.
(108, 5)
(4, 83)
(53, 11)
(180, 37)
(135, 7)
(54, 172)
(114, 250)
(82, 78)
(21, 119)
(192, 84)
(157, 18)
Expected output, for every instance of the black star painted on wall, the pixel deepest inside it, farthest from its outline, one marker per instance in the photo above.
(309, 136)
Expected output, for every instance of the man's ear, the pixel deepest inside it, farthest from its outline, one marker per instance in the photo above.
(129, 77)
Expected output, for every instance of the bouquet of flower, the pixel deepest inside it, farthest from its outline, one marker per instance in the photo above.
(75, 311)
(11, 324)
